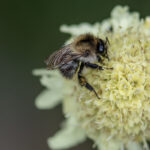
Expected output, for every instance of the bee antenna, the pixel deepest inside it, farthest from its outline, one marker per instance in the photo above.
(107, 41)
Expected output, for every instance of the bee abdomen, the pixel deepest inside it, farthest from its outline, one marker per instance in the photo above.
(69, 69)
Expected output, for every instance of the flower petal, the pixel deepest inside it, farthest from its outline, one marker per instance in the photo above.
(104, 142)
(48, 99)
(70, 135)
(82, 28)
(134, 146)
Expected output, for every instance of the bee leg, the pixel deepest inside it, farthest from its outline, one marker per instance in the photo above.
(107, 41)
(83, 81)
(95, 66)
(99, 59)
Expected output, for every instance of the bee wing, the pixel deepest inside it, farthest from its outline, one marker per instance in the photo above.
(61, 57)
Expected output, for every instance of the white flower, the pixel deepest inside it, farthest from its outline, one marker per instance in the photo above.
(121, 118)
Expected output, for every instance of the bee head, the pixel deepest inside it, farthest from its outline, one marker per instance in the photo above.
(89, 47)
(102, 48)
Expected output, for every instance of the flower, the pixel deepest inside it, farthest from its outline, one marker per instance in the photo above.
(120, 119)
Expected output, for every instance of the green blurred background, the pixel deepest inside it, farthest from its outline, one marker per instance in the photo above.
(29, 32)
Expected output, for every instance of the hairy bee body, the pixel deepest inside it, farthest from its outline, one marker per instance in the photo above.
(69, 69)
(82, 52)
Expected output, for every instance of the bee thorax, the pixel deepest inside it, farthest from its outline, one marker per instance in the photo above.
(90, 59)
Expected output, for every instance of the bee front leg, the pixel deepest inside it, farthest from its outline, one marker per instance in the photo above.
(83, 81)
(95, 66)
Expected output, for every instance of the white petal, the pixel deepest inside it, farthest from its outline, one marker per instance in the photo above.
(70, 135)
(48, 99)
(51, 79)
(121, 17)
(104, 142)
(134, 146)
(42, 71)
(110, 145)
(82, 28)
(57, 86)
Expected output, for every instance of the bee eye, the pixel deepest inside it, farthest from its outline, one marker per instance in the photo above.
(101, 48)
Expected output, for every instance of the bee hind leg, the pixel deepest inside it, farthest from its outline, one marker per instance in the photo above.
(83, 81)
